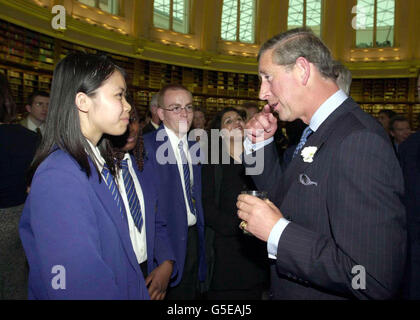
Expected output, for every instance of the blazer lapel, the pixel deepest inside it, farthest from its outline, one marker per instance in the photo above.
(111, 208)
(317, 139)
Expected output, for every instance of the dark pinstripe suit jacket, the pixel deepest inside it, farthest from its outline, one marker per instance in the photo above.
(351, 217)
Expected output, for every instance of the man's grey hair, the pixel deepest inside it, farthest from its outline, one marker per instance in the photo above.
(300, 42)
(344, 77)
(154, 102)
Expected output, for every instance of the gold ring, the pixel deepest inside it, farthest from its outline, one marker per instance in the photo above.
(243, 225)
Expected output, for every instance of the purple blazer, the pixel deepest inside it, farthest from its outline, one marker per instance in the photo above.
(75, 237)
(172, 202)
(159, 247)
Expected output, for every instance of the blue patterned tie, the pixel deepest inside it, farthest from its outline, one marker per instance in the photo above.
(187, 181)
(303, 139)
(132, 197)
(112, 186)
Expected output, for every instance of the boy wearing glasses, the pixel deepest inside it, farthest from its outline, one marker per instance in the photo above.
(179, 177)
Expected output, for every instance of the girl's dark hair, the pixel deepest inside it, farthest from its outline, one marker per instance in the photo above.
(7, 105)
(118, 142)
(217, 121)
(78, 72)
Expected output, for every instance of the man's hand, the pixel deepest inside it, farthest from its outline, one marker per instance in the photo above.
(157, 281)
(260, 215)
(261, 126)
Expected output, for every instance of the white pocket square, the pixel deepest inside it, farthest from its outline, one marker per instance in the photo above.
(306, 181)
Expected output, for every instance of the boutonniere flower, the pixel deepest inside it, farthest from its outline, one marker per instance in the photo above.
(308, 153)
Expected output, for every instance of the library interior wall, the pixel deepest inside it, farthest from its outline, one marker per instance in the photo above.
(218, 72)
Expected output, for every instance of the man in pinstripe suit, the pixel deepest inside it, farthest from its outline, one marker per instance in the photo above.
(335, 226)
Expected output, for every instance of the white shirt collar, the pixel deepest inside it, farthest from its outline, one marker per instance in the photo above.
(328, 107)
(174, 139)
(32, 126)
(154, 124)
(99, 160)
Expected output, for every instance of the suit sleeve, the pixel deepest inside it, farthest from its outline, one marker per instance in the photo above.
(163, 248)
(65, 234)
(365, 256)
(268, 179)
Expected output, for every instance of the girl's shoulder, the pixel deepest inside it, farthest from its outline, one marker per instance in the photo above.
(60, 160)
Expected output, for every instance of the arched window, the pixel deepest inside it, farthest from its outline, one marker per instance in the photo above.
(171, 15)
(238, 21)
(375, 23)
(110, 6)
(305, 13)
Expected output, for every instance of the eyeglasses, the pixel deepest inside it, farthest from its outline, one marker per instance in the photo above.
(178, 109)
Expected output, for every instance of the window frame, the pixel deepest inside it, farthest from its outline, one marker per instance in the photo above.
(96, 6)
(238, 24)
(187, 9)
(305, 17)
(375, 15)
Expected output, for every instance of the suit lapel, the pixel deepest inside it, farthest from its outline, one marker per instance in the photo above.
(112, 210)
(317, 139)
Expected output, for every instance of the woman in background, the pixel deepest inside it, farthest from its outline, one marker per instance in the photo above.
(17, 149)
(74, 225)
(240, 261)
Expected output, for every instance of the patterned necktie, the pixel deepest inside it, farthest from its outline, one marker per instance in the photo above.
(187, 181)
(112, 186)
(303, 139)
(132, 197)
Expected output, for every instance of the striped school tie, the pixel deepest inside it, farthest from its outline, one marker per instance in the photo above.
(187, 181)
(132, 197)
(306, 133)
(112, 186)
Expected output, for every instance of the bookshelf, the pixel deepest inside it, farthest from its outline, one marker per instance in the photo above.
(28, 59)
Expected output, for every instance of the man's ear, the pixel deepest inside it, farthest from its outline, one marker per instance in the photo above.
(28, 108)
(304, 70)
(82, 102)
(160, 114)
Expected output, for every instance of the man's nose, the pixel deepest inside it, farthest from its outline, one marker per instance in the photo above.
(264, 91)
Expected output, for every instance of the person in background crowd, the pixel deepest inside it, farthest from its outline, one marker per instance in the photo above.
(240, 266)
(154, 122)
(384, 117)
(199, 119)
(150, 240)
(344, 77)
(178, 175)
(17, 149)
(74, 224)
(409, 155)
(399, 128)
(37, 108)
(251, 109)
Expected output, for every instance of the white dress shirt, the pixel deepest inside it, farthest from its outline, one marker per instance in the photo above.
(138, 239)
(174, 140)
(322, 113)
(156, 126)
(32, 126)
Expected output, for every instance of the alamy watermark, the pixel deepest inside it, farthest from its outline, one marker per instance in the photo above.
(58, 282)
(219, 151)
(58, 22)
(359, 21)
(358, 282)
